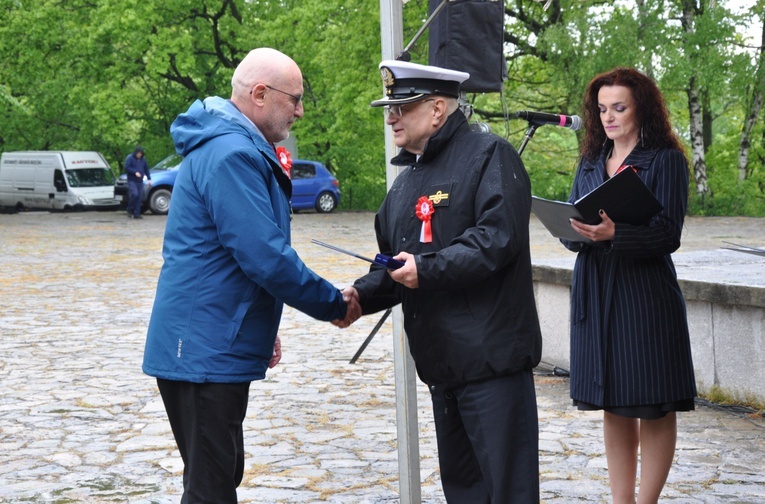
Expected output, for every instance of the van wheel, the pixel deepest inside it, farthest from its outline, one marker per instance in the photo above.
(159, 201)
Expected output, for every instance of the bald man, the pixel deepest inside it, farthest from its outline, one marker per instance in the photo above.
(228, 270)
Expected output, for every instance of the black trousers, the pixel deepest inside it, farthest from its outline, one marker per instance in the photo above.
(135, 195)
(206, 419)
(488, 441)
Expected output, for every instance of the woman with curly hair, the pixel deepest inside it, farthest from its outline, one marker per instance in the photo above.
(630, 347)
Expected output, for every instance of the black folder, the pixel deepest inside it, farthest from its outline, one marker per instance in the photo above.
(624, 197)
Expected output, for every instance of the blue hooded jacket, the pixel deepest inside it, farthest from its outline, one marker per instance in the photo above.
(228, 264)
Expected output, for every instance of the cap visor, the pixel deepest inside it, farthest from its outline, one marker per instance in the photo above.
(397, 101)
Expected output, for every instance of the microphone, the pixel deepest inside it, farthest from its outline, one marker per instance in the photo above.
(541, 118)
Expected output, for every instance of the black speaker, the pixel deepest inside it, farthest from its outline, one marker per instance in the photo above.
(467, 35)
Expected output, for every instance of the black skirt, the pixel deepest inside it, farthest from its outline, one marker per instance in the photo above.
(644, 412)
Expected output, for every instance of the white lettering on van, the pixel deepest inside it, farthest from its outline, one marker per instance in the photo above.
(180, 345)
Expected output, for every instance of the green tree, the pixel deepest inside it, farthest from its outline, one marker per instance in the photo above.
(687, 47)
(110, 74)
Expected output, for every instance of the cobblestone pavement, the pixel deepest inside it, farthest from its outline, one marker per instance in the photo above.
(79, 422)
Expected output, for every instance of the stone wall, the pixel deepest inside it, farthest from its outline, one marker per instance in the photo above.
(726, 322)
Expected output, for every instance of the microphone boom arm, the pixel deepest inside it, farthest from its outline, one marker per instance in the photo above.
(404, 56)
(529, 133)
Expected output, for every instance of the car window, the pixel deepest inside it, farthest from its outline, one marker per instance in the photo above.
(303, 171)
(169, 162)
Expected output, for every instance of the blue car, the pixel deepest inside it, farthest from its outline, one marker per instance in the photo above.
(156, 197)
(313, 187)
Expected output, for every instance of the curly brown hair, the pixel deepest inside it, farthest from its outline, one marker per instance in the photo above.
(651, 112)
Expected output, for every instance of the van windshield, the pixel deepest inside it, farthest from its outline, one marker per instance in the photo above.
(89, 177)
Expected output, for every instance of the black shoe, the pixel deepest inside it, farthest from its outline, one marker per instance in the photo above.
(138, 217)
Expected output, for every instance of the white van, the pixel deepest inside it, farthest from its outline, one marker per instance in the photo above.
(56, 180)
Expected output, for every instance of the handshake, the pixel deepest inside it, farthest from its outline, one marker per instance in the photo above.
(406, 275)
(351, 298)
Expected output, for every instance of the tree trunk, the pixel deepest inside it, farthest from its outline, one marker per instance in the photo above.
(695, 112)
(758, 95)
(707, 121)
(698, 159)
(642, 13)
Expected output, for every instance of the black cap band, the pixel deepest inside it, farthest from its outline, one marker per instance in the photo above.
(409, 87)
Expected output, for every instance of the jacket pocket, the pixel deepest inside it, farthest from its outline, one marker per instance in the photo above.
(481, 298)
(235, 325)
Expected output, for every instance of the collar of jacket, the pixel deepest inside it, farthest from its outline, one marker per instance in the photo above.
(263, 145)
(639, 158)
(227, 110)
(456, 124)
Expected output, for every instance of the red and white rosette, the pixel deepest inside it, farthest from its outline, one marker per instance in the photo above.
(424, 210)
(285, 159)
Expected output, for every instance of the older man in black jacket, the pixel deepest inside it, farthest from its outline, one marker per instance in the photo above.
(458, 216)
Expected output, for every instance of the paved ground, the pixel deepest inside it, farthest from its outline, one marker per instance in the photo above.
(79, 422)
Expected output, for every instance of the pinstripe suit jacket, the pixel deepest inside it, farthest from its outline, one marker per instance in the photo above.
(629, 332)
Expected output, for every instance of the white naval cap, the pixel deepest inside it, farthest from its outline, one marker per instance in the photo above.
(407, 82)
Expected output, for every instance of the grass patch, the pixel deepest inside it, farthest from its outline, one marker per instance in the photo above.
(726, 398)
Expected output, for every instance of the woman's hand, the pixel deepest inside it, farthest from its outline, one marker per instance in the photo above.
(599, 232)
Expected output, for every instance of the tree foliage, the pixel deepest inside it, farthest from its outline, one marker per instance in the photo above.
(108, 75)
(691, 48)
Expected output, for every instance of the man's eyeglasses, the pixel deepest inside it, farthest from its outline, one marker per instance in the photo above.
(398, 110)
(296, 98)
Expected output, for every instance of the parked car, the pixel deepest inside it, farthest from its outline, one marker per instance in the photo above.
(313, 187)
(156, 197)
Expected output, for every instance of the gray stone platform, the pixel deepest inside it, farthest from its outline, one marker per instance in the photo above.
(725, 297)
(79, 422)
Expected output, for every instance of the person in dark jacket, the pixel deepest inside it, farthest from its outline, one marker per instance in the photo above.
(228, 270)
(458, 215)
(630, 347)
(136, 168)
